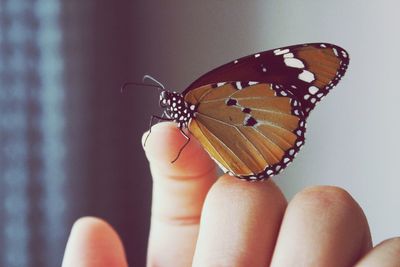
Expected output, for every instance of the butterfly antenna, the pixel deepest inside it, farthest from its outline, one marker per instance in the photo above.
(123, 87)
(148, 77)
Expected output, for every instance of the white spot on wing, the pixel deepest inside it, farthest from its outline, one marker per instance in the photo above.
(294, 63)
(253, 83)
(335, 51)
(235, 62)
(278, 52)
(288, 55)
(239, 85)
(306, 76)
(256, 55)
(264, 69)
(220, 84)
(299, 143)
(313, 90)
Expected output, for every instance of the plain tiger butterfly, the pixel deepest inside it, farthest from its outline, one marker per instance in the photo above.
(250, 114)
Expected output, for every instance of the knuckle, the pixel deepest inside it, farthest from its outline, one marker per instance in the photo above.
(231, 191)
(177, 220)
(393, 245)
(326, 198)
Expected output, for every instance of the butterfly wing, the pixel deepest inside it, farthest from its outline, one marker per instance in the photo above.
(250, 129)
(307, 71)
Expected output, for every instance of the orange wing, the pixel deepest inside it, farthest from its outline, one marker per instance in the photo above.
(252, 133)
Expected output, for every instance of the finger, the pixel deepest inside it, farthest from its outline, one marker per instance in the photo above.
(386, 254)
(93, 242)
(323, 226)
(179, 190)
(239, 223)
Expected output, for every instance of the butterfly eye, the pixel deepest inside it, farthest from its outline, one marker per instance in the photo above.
(163, 99)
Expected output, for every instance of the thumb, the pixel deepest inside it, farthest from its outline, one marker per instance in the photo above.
(93, 242)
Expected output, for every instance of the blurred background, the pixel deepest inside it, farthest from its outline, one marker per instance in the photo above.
(70, 141)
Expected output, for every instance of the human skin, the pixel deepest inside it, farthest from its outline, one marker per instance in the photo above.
(199, 220)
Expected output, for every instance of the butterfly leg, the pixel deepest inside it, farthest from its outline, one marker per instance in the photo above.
(152, 123)
(183, 147)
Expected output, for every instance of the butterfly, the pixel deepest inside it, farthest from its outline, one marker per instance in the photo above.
(250, 114)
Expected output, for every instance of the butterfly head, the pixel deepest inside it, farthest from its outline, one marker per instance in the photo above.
(165, 99)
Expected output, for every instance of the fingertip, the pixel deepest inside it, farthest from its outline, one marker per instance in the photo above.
(162, 147)
(331, 225)
(239, 223)
(239, 192)
(93, 242)
(92, 226)
(385, 254)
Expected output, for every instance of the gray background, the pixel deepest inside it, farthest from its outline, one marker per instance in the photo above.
(352, 138)
(71, 141)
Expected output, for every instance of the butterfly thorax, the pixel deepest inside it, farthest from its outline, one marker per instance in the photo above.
(176, 108)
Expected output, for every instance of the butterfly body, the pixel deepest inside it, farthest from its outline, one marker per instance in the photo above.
(250, 114)
(176, 108)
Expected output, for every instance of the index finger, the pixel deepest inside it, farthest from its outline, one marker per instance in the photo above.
(179, 190)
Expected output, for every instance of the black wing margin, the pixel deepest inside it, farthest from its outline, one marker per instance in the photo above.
(308, 71)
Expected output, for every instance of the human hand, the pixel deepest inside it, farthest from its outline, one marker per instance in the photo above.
(201, 221)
